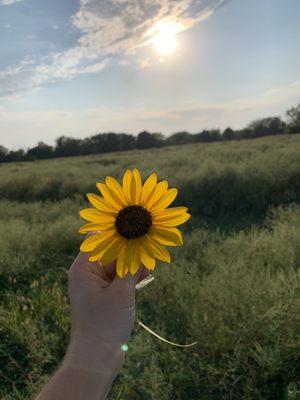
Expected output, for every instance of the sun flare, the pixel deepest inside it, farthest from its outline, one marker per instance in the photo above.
(165, 41)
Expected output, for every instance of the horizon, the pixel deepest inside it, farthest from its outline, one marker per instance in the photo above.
(75, 68)
(164, 136)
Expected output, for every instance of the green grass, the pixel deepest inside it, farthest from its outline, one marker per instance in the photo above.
(234, 286)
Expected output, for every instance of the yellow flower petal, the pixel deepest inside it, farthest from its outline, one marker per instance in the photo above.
(107, 238)
(147, 261)
(148, 188)
(112, 250)
(132, 255)
(90, 243)
(127, 178)
(94, 227)
(155, 249)
(101, 205)
(138, 185)
(166, 236)
(114, 186)
(159, 191)
(164, 201)
(121, 268)
(92, 215)
(110, 197)
(133, 190)
(169, 212)
(171, 221)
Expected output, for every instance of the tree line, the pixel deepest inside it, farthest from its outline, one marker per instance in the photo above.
(108, 142)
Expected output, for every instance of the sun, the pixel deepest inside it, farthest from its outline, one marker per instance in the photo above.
(165, 41)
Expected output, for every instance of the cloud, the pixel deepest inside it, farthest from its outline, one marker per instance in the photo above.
(124, 62)
(16, 79)
(8, 2)
(26, 128)
(107, 28)
(236, 113)
(144, 63)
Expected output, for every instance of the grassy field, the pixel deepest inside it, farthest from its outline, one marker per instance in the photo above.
(234, 286)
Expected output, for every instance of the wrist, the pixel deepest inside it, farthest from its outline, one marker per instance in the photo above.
(93, 355)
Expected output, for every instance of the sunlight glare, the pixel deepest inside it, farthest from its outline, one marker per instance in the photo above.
(165, 40)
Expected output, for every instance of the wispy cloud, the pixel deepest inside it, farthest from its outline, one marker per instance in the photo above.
(108, 28)
(8, 2)
(236, 113)
(28, 127)
(144, 63)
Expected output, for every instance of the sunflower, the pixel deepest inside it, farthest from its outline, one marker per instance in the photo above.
(131, 223)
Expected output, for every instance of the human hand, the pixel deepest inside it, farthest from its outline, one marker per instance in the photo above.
(102, 314)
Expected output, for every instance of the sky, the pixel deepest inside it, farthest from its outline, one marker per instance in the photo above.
(80, 67)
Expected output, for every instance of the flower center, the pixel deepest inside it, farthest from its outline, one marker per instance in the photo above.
(133, 222)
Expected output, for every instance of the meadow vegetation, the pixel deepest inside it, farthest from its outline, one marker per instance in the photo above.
(234, 286)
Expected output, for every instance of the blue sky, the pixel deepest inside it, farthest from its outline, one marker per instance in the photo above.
(80, 67)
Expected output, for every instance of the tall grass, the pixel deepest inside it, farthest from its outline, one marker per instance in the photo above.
(259, 174)
(235, 291)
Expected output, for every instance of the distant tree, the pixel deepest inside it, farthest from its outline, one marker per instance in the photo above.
(228, 134)
(179, 138)
(97, 143)
(245, 133)
(112, 142)
(42, 150)
(215, 134)
(160, 139)
(66, 146)
(3, 153)
(104, 142)
(267, 126)
(208, 136)
(146, 140)
(17, 155)
(128, 142)
(86, 146)
(203, 136)
(293, 124)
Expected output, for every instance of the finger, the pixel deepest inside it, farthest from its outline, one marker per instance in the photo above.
(128, 281)
(81, 256)
(83, 268)
(82, 259)
(144, 273)
(108, 271)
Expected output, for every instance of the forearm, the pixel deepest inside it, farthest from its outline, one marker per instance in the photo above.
(73, 383)
(87, 372)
